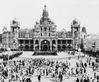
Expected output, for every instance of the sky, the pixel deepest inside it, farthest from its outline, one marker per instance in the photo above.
(61, 12)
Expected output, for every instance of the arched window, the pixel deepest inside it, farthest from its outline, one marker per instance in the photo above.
(59, 41)
(36, 42)
(59, 48)
(31, 41)
(64, 47)
(63, 41)
(26, 41)
(45, 28)
(53, 42)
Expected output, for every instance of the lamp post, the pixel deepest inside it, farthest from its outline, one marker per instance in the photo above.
(8, 59)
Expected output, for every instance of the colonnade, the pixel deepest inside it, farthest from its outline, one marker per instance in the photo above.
(39, 45)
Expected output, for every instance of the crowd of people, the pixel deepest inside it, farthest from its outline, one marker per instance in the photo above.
(25, 70)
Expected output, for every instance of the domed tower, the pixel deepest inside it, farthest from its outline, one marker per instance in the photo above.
(75, 26)
(84, 29)
(14, 30)
(14, 25)
(75, 30)
(83, 37)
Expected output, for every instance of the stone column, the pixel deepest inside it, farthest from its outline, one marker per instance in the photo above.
(66, 45)
(72, 43)
(34, 44)
(51, 45)
(23, 44)
(39, 45)
(29, 44)
(56, 45)
(61, 45)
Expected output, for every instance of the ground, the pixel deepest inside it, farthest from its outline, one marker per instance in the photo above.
(61, 56)
(29, 54)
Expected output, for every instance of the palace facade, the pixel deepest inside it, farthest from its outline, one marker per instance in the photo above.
(43, 37)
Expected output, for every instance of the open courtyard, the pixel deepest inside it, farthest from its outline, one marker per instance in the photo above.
(31, 66)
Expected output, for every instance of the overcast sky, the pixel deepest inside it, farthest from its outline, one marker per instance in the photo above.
(62, 12)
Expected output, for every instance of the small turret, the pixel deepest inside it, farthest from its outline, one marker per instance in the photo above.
(75, 30)
(75, 27)
(84, 30)
(14, 25)
(75, 24)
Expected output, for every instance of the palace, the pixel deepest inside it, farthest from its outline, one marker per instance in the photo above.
(43, 37)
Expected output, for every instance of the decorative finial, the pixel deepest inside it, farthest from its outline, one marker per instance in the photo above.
(45, 12)
(45, 7)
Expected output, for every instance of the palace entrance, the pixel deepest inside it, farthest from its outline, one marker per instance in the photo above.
(45, 45)
(45, 49)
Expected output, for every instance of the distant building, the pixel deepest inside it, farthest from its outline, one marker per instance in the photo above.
(90, 40)
(43, 37)
(0, 40)
(7, 38)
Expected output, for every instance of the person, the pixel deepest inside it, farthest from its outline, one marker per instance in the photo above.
(39, 77)
(77, 80)
(60, 77)
(97, 78)
(28, 80)
(81, 80)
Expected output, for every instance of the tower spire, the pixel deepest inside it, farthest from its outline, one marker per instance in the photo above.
(45, 7)
(45, 12)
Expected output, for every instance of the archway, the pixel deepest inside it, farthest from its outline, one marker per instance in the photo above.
(69, 47)
(63, 47)
(37, 42)
(53, 42)
(26, 48)
(31, 48)
(45, 45)
(21, 47)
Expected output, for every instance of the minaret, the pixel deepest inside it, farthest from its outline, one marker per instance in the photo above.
(15, 31)
(75, 30)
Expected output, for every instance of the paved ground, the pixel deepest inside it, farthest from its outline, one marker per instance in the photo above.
(61, 56)
(30, 55)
